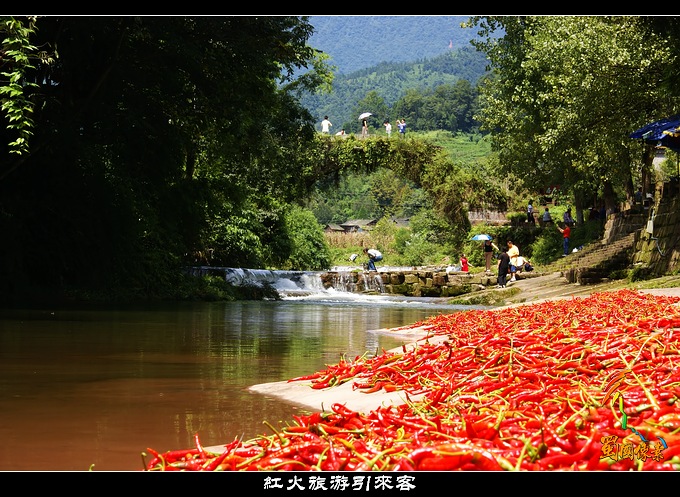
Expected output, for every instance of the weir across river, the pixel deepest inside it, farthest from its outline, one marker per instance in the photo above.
(415, 282)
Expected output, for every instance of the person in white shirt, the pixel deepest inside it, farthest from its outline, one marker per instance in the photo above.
(374, 256)
(326, 125)
(530, 213)
(388, 128)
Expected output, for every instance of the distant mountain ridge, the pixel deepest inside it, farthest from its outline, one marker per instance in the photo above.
(359, 42)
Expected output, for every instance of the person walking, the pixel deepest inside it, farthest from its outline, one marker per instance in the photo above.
(566, 233)
(568, 220)
(638, 196)
(513, 255)
(326, 125)
(488, 246)
(530, 213)
(503, 267)
(364, 128)
(374, 256)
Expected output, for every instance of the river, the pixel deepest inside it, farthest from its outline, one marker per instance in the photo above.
(94, 387)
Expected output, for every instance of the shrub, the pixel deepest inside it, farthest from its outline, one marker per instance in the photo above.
(641, 273)
(517, 218)
(309, 251)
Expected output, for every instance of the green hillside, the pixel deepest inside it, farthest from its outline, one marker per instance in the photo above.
(358, 42)
(390, 81)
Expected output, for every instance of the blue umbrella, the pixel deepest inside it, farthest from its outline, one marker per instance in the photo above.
(481, 237)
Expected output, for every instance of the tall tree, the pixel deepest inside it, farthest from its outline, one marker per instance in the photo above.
(565, 94)
(154, 137)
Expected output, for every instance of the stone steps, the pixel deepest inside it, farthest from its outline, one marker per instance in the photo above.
(596, 261)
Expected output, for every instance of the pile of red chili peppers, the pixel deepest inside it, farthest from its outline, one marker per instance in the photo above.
(586, 383)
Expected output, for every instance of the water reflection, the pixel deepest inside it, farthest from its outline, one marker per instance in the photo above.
(82, 387)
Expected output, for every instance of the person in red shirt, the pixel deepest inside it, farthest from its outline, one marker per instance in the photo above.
(566, 233)
(464, 264)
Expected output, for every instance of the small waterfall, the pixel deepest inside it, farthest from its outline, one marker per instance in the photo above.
(374, 282)
(285, 282)
(297, 283)
(344, 281)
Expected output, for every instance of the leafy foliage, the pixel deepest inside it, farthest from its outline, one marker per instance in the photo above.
(308, 248)
(161, 141)
(15, 87)
(565, 93)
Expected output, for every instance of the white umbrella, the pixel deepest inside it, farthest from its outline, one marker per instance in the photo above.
(481, 237)
(365, 115)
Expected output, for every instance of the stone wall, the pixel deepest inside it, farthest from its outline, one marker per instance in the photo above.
(486, 216)
(416, 283)
(657, 244)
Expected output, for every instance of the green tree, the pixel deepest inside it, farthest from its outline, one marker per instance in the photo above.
(409, 107)
(309, 250)
(158, 141)
(668, 28)
(565, 93)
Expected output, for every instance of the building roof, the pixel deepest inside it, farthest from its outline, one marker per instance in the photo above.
(358, 224)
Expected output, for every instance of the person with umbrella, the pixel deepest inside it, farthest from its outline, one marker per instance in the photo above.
(364, 123)
(489, 247)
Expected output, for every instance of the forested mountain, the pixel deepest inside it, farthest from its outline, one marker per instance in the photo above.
(379, 59)
(389, 82)
(359, 42)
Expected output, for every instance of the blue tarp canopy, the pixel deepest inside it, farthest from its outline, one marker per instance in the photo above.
(664, 132)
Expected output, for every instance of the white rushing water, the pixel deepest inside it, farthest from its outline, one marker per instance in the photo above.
(307, 286)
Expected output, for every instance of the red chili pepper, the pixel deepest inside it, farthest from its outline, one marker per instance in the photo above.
(566, 460)
(451, 456)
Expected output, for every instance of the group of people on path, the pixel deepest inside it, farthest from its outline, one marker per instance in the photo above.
(509, 259)
(326, 126)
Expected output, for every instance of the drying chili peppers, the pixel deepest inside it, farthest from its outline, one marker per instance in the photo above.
(586, 383)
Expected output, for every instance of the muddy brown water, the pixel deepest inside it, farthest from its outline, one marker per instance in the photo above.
(93, 388)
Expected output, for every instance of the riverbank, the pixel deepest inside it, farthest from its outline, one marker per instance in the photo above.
(552, 286)
(522, 292)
